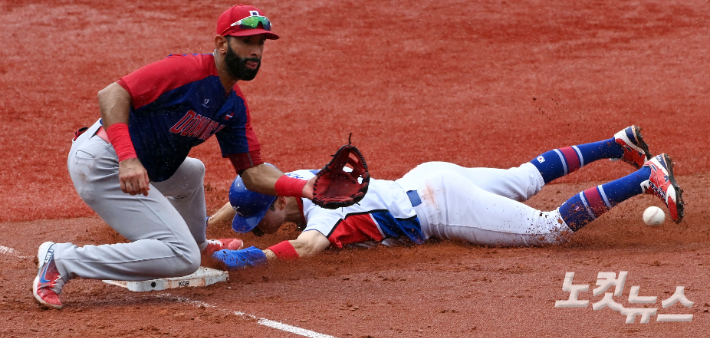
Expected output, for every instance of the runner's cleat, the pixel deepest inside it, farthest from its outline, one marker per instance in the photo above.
(48, 284)
(635, 149)
(662, 184)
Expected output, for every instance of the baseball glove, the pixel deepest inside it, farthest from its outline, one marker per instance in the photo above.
(335, 187)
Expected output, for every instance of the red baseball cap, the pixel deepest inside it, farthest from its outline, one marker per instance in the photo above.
(231, 22)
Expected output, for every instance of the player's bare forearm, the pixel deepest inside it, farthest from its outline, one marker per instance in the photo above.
(115, 105)
(270, 255)
(309, 243)
(261, 179)
(224, 214)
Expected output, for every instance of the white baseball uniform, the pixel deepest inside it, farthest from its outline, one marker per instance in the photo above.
(444, 200)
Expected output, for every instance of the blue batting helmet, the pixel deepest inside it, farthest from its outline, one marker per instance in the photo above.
(250, 206)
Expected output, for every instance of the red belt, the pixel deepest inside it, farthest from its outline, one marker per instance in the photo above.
(102, 134)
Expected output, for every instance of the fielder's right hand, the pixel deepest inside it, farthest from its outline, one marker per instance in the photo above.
(133, 176)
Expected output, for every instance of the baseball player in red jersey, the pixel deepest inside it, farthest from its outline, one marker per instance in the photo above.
(437, 199)
(131, 166)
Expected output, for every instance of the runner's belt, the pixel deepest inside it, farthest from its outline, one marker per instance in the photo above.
(414, 198)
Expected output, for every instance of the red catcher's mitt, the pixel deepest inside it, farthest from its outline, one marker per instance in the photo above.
(336, 188)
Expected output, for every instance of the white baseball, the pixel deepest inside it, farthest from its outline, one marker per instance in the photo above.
(653, 216)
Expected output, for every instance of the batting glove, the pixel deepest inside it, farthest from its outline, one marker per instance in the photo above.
(239, 259)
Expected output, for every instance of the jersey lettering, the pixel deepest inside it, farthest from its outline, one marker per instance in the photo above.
(294, 175)
(200, 128)
(189, 125)
(199, 119)
(178, 125)
(208, 131)
(196, 125)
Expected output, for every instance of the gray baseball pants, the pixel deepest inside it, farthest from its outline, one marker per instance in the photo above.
(166, 229)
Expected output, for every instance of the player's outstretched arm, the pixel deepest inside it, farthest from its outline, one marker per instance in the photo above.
(115, 105)
(224, 214)
(307, 244)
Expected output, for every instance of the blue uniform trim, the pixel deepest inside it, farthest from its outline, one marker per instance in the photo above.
(630, 134)
(391, 226)
(395, 228)
(414, 198)
(579, 155)
(576, 211)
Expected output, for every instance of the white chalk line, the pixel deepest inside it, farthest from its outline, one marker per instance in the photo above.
(261, 321)
(12, 252)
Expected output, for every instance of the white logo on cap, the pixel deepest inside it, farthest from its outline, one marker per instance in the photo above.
(254, 13)
(236, 209)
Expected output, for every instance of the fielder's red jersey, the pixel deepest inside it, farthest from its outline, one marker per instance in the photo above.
(178, 103)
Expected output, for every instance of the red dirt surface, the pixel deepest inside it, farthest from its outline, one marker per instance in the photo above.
(478, 83)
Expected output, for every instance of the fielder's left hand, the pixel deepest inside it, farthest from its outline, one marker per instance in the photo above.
(308, 188)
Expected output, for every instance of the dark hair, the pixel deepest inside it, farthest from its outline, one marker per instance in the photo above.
(257, 232)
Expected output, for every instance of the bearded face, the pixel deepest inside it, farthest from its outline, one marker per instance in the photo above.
(240, 68)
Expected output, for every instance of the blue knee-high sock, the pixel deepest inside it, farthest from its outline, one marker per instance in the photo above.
(586, 206)
(560, 162)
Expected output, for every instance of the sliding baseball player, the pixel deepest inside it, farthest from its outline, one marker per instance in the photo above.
(444, 200)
